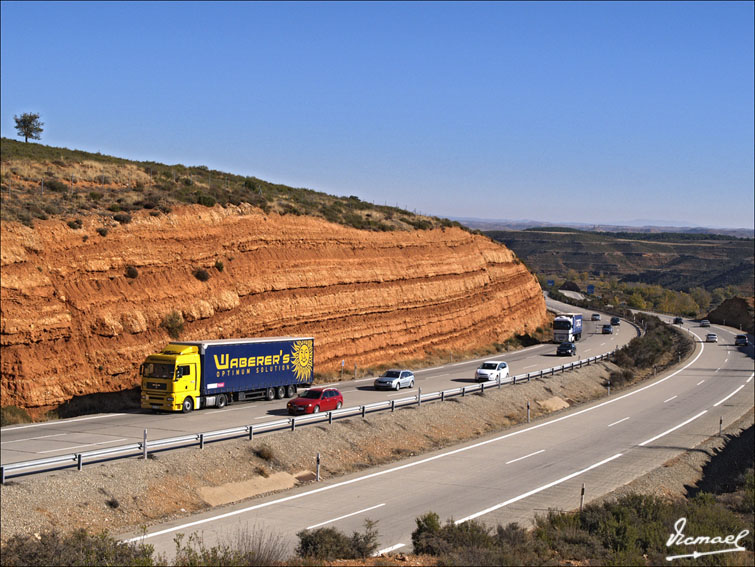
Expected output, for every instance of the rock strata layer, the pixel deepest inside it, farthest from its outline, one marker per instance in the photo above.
(80, 311)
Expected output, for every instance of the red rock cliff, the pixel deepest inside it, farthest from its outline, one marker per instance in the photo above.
(74, 324)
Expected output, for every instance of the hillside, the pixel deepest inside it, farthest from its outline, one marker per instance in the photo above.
(83, 303)
(677, 262)
(40, 182)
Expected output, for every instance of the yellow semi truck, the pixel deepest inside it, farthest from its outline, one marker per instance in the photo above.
(186, 376)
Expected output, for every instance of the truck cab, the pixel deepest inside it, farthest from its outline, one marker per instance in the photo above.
(171, 379)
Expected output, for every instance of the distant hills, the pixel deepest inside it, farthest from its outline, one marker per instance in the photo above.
(639, 226)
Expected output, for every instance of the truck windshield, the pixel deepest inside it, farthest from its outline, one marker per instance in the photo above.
(157, 370)
(562, 325)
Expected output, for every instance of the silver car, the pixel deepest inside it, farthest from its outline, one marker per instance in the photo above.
(395, 380)
(492, 370)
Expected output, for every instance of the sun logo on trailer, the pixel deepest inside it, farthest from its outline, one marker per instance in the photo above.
(303, 360)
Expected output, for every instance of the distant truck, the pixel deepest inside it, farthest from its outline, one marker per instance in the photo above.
(191, 375)
(567, 327)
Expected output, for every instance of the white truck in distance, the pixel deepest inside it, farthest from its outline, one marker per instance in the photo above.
(567, 327)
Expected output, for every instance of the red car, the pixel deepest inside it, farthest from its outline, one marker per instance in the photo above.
(316, 400)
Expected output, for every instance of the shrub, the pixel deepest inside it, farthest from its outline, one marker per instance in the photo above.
(330, 543)
(77, 548)
(264, 452)
(201, 274)
(102, 231)
(122, 218)
(245, 547)
(219, 265)
(95, 195)
(75, 224)
(57, 186)
(10, 415)
(173, 322)
(206, 200)
(132, 272)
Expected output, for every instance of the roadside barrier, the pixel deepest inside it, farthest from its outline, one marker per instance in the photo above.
(145, 447)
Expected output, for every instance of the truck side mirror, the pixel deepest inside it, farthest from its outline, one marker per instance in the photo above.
(179, 373)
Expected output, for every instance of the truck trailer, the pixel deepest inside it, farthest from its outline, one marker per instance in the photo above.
(186, 376)
(567, 327)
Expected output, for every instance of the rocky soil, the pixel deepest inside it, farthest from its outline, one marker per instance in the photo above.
(80, 311)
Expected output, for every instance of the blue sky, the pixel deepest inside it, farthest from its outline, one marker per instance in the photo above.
(590, 112)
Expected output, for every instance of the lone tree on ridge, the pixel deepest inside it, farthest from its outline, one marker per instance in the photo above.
(29, 126)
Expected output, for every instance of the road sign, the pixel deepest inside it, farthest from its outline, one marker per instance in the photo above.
(590, 289)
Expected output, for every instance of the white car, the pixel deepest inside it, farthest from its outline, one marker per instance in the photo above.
(492, 370)
(711, 338)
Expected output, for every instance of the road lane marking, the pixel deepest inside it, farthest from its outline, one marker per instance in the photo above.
(344, 516)
(530, 366)
(729, 396)
(671, 398)
(409, 465)
(33, 438)
(749, 379)
(617, 422)
(520, 458)
(61, 422)
(673, 428)
(87, 445)
(388, 549)
(700, 382)
(536, 490)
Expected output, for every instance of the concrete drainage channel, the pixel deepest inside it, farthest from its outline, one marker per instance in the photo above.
(158, 445)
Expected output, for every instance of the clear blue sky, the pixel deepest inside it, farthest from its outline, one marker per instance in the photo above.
(582, 112)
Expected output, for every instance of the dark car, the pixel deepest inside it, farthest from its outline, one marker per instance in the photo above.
(566, 349)
(608, 329)
(595, 317)
(615, 321)
(678, 321)
(316, 400)
(741, 340)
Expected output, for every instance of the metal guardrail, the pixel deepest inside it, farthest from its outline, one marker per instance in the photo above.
(133, 449)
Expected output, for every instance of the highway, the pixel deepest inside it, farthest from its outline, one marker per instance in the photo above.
(41, 440)
(510, 476)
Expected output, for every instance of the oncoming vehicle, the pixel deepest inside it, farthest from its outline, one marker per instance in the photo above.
(595, 317)
(705, 323)
(315, 400)
(608, 329)
(566, 349)
(741, 340)
(711, 338)
(492, 370)
(678, 321)
(395, 380)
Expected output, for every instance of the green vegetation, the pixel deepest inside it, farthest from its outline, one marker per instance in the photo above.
(11, 415)
(330, 543)
(132, 272)
(201, 274)
(82, 183)
(173, 322)
(29, 126)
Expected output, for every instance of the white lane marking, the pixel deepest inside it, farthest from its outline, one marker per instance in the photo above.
(520, 458)
(397, 394)
(262, 417)
(602, 344)
(617, 422)
(587, 350)
(344, 516)
(61, 422)
(700, 382)
(33, 438)
(460, 363)
(673, 428)
(388, 549)
(408, 465)
(530, 366)
(671, 398)
(749, 379)
(729, 396)
(87, 445)
(536, 490)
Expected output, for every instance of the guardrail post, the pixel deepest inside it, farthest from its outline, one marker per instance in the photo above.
(293, 423)
(79, 461)
(393, 406)
(482, 389)
(442, 395)
(419, 397)
(2, 475)
(463, 391)
(528, 376)
(330, 418)
(144, 445)
(364, 408)
(513, 380)
(251, 432)
(201, 440)
(498, 382)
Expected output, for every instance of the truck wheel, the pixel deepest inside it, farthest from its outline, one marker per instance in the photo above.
(270, 394)
(290, 391)
(280, 392)
(187, 405)
(221, 401)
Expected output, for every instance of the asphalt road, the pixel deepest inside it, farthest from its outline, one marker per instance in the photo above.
(513, 475)
(41, 440)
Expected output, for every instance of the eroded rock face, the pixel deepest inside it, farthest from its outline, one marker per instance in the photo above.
(73, 323)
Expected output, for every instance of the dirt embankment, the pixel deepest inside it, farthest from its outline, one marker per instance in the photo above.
(81, 310)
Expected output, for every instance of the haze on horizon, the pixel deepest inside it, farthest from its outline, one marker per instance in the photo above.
(561, 112)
